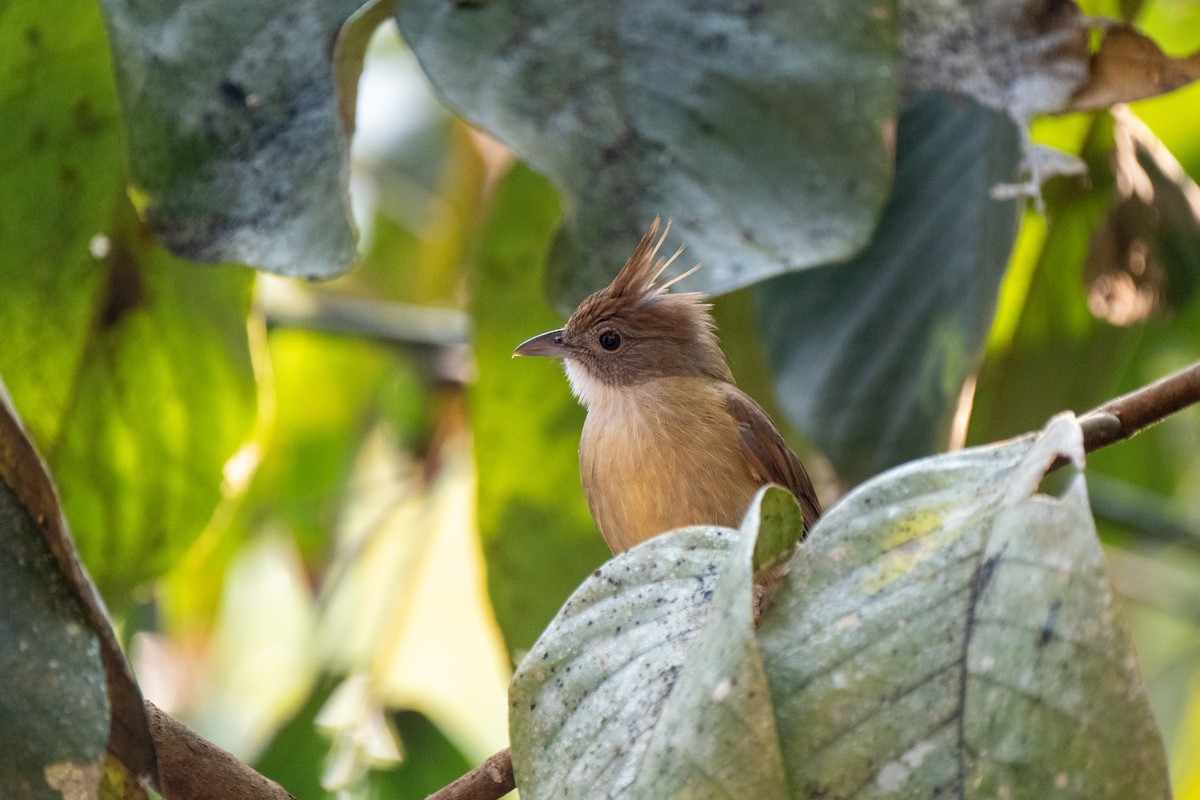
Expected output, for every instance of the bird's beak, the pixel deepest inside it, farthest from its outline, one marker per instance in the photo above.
(547, 344)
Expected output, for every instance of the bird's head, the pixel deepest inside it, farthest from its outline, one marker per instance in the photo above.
(634, 330)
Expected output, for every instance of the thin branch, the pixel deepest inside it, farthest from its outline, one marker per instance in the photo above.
(490, 780)
(1129, 414)
(288, 306)
(192, 768)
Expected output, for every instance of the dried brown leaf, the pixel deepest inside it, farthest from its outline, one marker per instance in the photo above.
(1130, 66)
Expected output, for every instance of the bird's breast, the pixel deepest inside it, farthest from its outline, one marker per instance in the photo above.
(663, 455)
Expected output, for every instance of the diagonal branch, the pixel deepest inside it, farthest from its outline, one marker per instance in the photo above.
(1129, 414)
(490, 780)
(193, 768)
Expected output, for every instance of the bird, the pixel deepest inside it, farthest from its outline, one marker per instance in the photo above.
(669, 440)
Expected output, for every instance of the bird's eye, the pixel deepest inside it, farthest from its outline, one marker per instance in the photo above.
(610, 340)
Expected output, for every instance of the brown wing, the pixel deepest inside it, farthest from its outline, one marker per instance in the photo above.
(768, 455)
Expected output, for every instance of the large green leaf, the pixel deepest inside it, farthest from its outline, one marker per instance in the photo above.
(163, 396)
(60, 181)
(538, 537)
(945, 630)
(131, 368)
(760, 128)
(233, 130)
(870, 355)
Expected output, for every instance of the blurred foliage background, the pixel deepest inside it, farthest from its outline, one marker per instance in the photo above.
(360, 511)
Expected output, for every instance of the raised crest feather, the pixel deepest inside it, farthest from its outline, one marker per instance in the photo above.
(641, 272)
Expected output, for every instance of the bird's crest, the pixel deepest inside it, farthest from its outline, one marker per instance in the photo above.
(637, 287)
(679, 324)
(640, 274)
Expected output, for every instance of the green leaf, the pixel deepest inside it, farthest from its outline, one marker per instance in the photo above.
(759, 128)
(163, 395)
(870, 356)
(233, 129)
(61, 179)
(647, 683)
(131, 369)
(780, 523)
(538, 536)
(72, 721)
(951, 631)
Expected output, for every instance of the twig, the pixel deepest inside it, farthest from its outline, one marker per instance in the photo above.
(192, 768)
(1129, 414)
(288, 306)
(490, 780)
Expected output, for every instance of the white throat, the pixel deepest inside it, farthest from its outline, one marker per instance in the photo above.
(587, 389)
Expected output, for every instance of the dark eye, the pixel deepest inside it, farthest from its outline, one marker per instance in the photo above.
(610, 340)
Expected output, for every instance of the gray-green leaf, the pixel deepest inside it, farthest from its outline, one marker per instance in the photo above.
(233, 132)
(870, 356)
(648, 684)
(760, 128)
(946, 630)
(951, 632)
